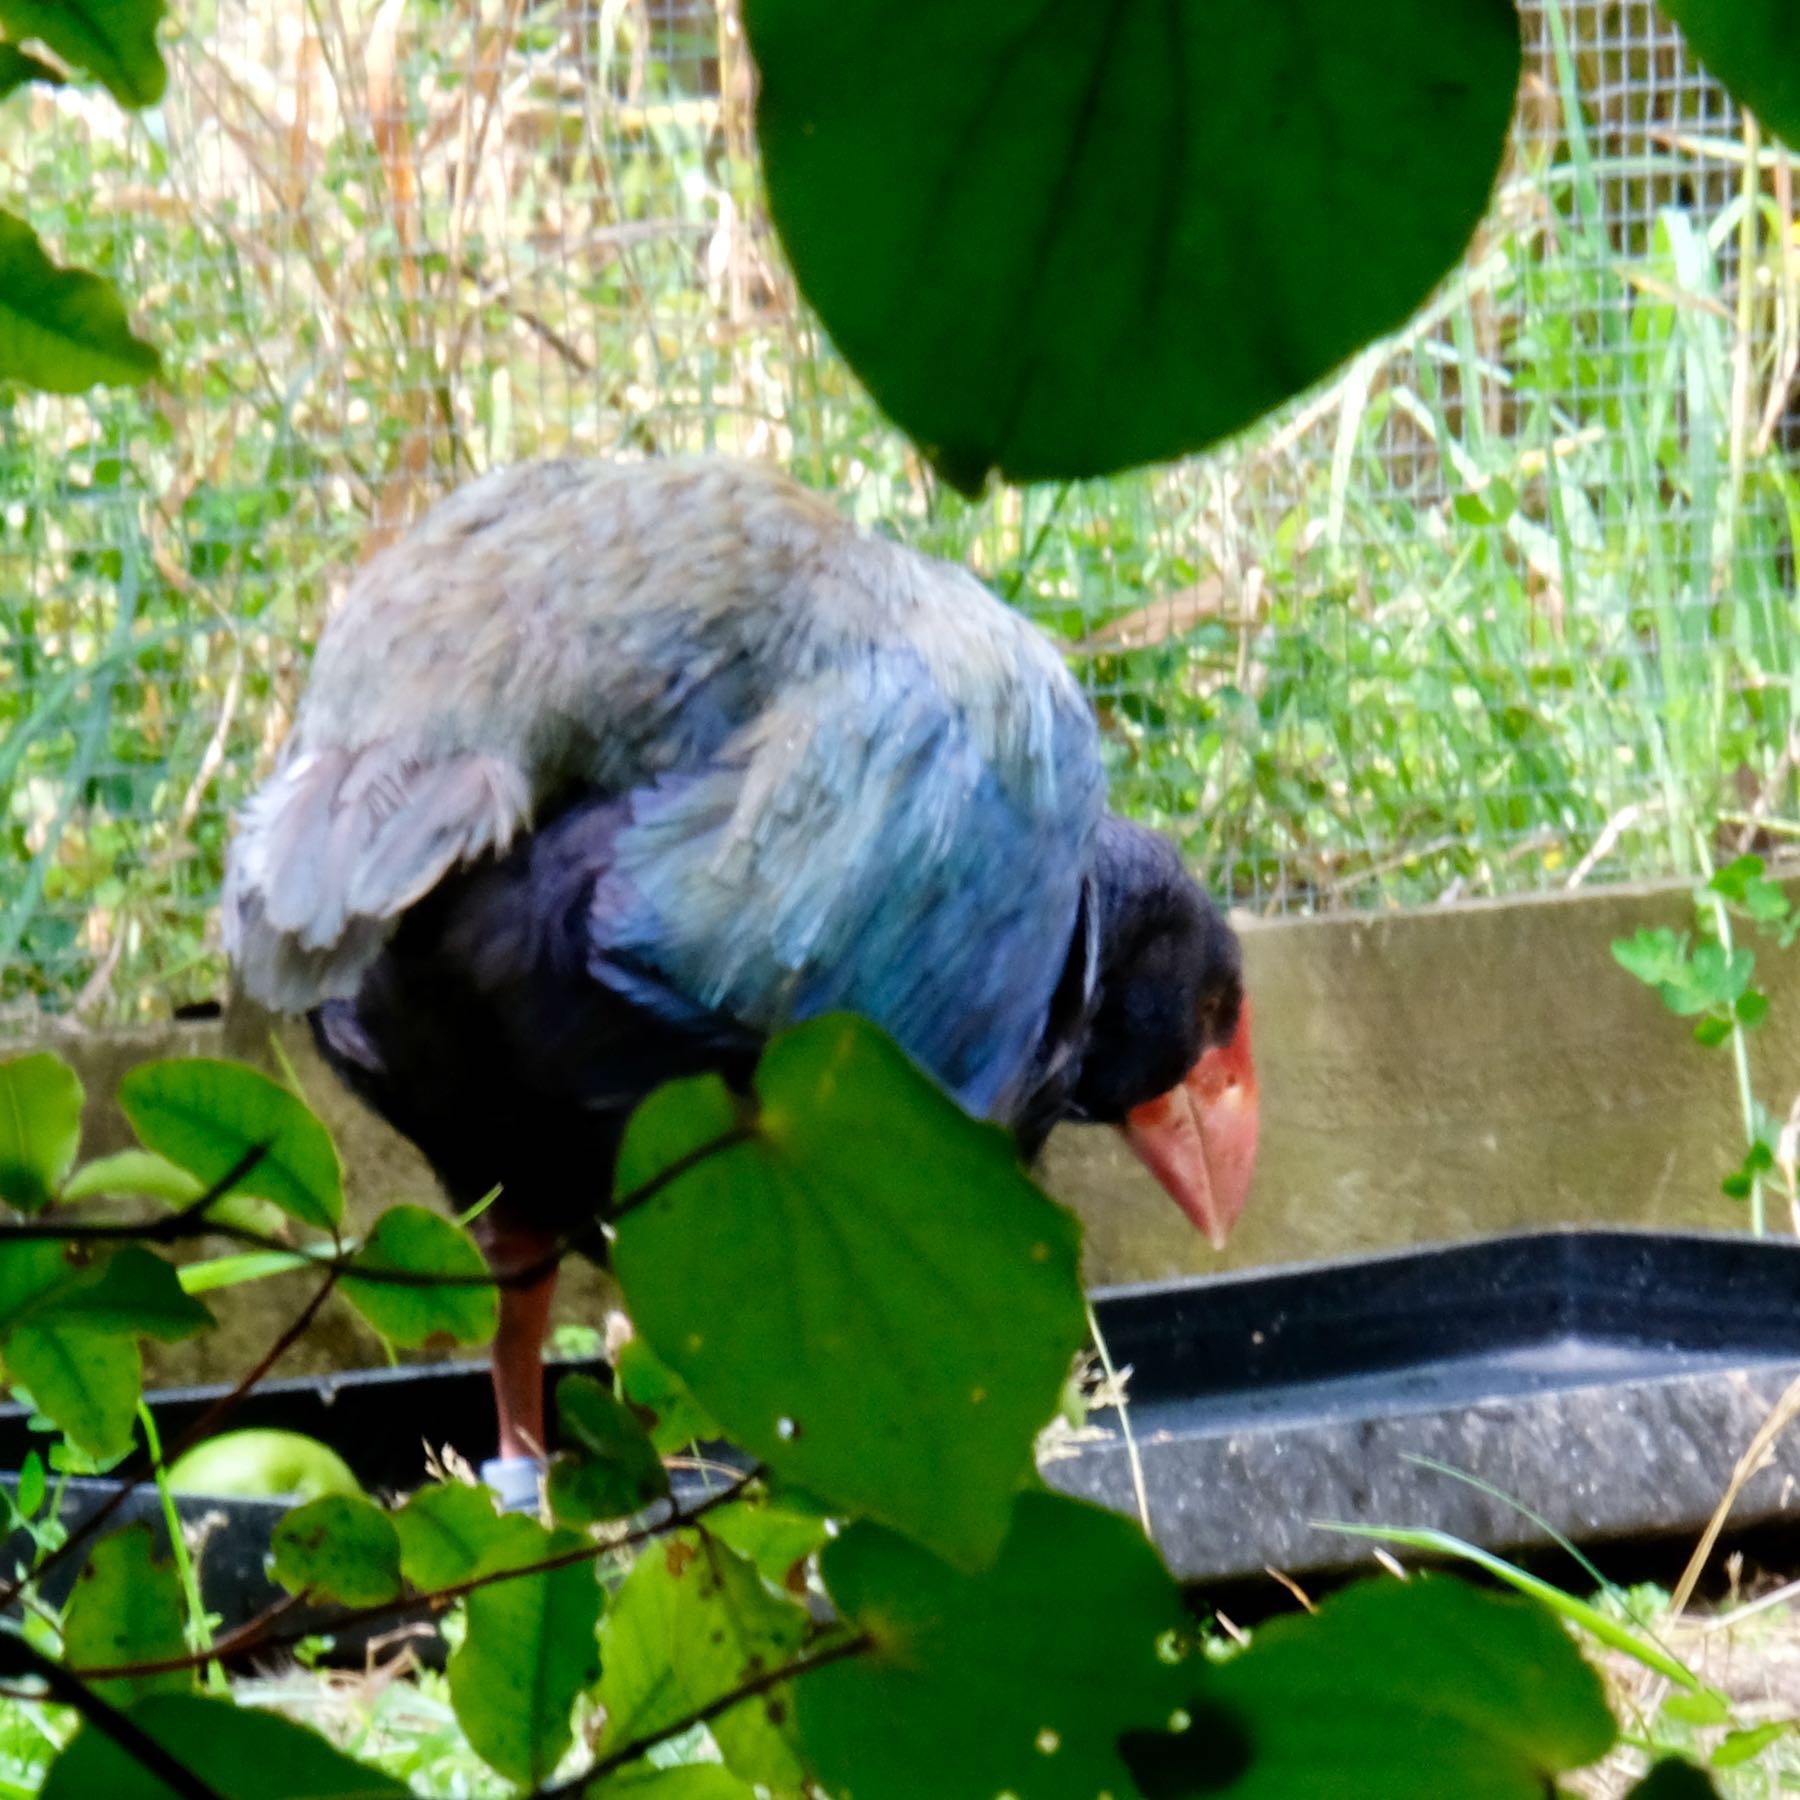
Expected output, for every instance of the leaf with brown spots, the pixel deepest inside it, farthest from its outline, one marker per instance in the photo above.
(693, 1622)
(340, 1547)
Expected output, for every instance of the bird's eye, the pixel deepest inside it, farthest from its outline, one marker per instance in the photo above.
(1215, 1016)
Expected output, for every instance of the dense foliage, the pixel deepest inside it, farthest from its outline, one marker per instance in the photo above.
(918, 1313)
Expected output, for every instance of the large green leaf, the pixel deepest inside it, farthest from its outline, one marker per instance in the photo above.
(1753, 46)
(610, 1468)
(1018, 1680)
(915, 1300)
(62, 330)
(1062, 237)
(88, 1381)
(448, 1531)
(40, 1104)
(113, 40)
(416, 1241)
(130, 1290)
(133, 1290)
(205, 1115)
(1410, 1691)
(692, 1781)
(127, 1608)
(527, 1654)
(243, 1754)
(693, 1623)
(339, 1547)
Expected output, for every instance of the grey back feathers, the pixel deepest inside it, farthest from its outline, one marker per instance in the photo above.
(337, 844)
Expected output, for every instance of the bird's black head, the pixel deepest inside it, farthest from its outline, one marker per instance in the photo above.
(1170, 982)
(1159, 1043)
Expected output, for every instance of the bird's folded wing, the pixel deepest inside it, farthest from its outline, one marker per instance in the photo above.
(337, 844)
(868, 844)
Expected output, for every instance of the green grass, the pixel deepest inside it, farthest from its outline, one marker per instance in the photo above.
(1511, 603)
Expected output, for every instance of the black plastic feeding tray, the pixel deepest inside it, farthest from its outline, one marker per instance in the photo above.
(1606, 1380)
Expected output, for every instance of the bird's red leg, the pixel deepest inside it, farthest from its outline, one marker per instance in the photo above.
(518, 1352)
(518, 1360)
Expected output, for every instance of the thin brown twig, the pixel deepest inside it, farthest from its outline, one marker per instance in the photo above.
(255, 1634)
(140, 1467)
(227, 1403)
(637, 1747)
(143, 1464)
(190, 1222)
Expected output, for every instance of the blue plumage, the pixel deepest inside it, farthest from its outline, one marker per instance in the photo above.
(856, 849)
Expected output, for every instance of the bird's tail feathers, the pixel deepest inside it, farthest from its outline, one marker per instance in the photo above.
(337, 844)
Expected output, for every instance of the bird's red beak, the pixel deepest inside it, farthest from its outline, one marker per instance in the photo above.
(1199, 1139)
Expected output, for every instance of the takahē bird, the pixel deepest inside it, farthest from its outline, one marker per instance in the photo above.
(606, 772)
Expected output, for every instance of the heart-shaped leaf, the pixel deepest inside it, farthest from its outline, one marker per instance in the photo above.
(414, 1241)
(917, 1298)
(40, 1114)
(62, 330)
(339, 1547)
(205, 1116)
(1063, 237)
(1753, 46)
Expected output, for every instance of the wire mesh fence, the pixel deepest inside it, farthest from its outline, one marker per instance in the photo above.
(1509, 604)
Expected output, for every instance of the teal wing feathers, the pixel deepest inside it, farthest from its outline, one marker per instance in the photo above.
(859, 846)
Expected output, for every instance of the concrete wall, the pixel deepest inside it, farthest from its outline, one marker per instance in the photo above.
(1425, 1076)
